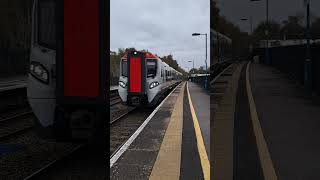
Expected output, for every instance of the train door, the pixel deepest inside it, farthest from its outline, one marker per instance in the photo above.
(136, 77)
(82, 68)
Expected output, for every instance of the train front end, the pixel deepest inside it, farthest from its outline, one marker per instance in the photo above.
(67, 85)
(139, 78)
(42, 76)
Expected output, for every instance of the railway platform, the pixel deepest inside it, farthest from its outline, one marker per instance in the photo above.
(274, 132)
(172, 143)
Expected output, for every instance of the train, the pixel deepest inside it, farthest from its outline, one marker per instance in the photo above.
(144, 78)
(285, 43)
(221, 47)
(221, 52)
(68, 72)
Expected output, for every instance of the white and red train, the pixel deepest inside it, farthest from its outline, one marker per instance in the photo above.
(68, 80)
(67, 86)
(144, 78)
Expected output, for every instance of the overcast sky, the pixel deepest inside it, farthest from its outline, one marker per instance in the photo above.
(279, 10)
(163, 27)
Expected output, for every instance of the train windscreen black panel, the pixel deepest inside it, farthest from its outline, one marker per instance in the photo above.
(47, 25)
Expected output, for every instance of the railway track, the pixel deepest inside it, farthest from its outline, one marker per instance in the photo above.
(122, 115)
(47, 169)
(16, 124)
(114, 97)
(123, 127)
(15, 115)
(219, 85)
(15, 121)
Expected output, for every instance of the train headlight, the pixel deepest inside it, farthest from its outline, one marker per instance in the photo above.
(153, 85)
(38, 71)
(122, 84)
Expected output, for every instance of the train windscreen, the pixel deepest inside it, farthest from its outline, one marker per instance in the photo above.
(47, 24)
(124, 68)
(151, 67)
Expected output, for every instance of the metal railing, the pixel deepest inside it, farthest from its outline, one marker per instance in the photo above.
(290, 60)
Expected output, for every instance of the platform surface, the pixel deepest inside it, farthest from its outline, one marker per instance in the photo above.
(168, 147)
(290, 123)
(276, 129)
(201, 102)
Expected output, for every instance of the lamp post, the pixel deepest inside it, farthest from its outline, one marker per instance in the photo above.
(266, 31)
(192, 64)
(250, 21)
(308, 61)
(187, 68)
(206, 78)
(251, 32)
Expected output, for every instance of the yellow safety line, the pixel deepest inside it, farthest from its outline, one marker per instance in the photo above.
(167, 164)
(264, 155)
(205, 163)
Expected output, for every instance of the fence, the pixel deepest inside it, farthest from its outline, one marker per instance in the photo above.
(200, 79)
(215, 69)
(290, 59)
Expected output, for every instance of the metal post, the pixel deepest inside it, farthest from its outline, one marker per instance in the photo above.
(206, 79)
(251, 25)
(193, 66)
(251, 35)
(308, 61)
(267, 33)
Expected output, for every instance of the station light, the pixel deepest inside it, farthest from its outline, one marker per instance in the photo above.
(38, 71)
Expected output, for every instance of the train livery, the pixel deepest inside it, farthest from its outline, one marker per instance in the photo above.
(144, 78)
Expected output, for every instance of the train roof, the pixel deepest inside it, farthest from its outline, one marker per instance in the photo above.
(291, 42)
(152, 56)
(216, 33)
(146, 53)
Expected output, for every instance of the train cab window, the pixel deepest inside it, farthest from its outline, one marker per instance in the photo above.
(124, 68)
(47, 24)
(151, 67)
